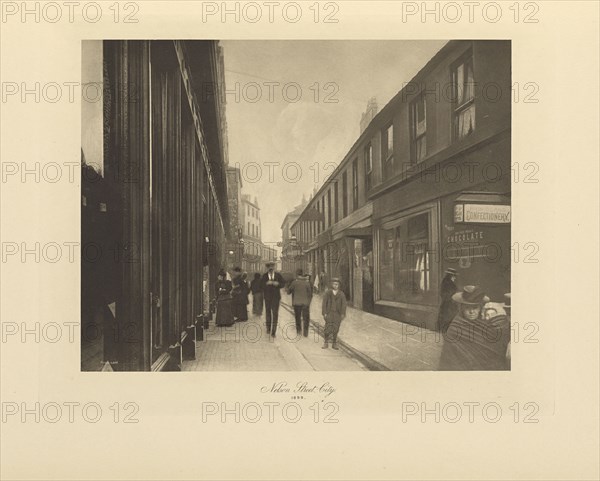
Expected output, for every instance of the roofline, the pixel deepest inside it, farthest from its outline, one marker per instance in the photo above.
(433, 61)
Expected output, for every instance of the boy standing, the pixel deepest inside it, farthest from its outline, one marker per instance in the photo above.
(334, 312)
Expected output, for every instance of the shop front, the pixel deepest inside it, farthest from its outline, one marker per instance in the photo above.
(406, 267)
(427, 223)
(476, 240)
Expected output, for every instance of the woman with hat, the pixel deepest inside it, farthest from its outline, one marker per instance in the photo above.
(223, 291)
(448, 308)
(473, 343)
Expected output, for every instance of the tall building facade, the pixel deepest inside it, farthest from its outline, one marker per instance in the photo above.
(251, 235)
(292, 253)
(234, 246)
(157, 202)
(425, 187)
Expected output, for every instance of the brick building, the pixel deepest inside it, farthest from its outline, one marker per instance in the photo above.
(426, 186)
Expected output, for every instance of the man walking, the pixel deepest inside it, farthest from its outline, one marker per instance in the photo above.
(301, 291)
(272, 283)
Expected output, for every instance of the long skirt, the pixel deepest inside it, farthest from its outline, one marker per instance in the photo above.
(224, 312)
(240, 308)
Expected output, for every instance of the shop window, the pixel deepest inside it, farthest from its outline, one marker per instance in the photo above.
(419, 128)
(387, 152)
(463, 82)
(405, 261)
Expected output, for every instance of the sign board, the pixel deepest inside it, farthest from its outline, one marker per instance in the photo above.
(482, 213)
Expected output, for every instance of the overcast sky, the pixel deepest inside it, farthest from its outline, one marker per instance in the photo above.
(266, 125)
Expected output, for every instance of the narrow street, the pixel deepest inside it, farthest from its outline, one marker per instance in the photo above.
(245, 346)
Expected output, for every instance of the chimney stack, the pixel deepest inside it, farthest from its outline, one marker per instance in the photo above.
(369, 114)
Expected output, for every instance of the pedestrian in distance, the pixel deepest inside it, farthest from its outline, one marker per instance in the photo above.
(448, 308)
(272, 283)
(301, 291)
(223, 300)
(240, 296)
(257, 295)
(334, 312)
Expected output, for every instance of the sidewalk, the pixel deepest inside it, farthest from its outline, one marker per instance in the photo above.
(381, 343)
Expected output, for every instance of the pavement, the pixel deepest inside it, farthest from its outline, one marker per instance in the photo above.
(367, 342)
(384, 344)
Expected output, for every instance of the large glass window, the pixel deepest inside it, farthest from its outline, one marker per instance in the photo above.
(405, 261)
(463, 82)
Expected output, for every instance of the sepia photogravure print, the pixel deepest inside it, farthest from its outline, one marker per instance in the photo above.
(297, 205)
(274, 240)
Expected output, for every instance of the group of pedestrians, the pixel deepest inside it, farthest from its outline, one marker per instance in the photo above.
(232, 297)
(232, 301)
(476, 333)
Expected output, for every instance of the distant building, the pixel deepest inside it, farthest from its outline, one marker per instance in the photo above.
(252, 260)
(291, 251)
(234, 245)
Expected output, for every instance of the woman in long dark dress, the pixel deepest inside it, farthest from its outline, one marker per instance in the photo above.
(223, 291)
(240, 296)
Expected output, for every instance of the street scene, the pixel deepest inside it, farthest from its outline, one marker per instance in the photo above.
(296, 206)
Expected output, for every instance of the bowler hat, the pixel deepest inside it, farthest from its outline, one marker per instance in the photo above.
(507, 300)
(451, 271)
(270, 264)
(336, 279)
(472, 295)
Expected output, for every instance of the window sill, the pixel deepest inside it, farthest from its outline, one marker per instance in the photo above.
(406, 305)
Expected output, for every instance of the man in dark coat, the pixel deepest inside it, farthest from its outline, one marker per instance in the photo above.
(333, 309)
(272, 283)
(301, 291)
(448, 308)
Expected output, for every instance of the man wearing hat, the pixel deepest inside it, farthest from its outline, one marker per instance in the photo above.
(334, 312)
(473, 343)
(272, 283)
(448, 309)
